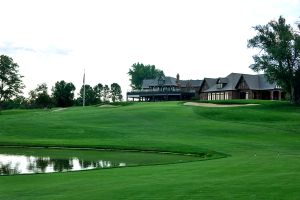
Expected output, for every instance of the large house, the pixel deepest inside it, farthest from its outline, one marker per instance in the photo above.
(166, 88)
(233, 86)
(240, 86)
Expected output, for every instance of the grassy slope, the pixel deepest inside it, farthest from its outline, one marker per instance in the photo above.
(263, 141)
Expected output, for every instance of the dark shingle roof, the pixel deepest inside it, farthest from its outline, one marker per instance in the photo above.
(170, 81)
(167, 81)
(223, 80)
(191, 83)
(232, 80)
(210, 81)
(264, 84)
(254, 82)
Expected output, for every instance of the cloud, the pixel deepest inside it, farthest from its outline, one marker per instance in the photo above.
(57, 51)
(10, 48)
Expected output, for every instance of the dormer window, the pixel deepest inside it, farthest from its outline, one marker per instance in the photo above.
(220, 85)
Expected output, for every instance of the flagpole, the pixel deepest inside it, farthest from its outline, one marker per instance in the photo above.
(83, 98)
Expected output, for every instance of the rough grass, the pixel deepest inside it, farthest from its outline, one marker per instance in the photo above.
(263, 143)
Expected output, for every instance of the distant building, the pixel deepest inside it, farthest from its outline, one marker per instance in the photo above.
(233, 86)
(240, 86)
(166, 88)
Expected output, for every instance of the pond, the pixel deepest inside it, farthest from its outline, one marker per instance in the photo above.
(47, 160)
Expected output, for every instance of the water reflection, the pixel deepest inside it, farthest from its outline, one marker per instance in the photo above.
(8, 169)
(16, 164)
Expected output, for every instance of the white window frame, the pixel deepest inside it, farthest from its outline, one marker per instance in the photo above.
(209, 96)
(222, 96)
(226, 96)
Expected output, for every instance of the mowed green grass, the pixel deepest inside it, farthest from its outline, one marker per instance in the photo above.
(263, 144)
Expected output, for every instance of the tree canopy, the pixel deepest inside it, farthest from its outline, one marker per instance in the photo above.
(139, 72)
(39, 97)
(90, 95)
(63, 93)
(279, 55)
(98, 91)
(116, 92)
(105, 93)
(10, 80)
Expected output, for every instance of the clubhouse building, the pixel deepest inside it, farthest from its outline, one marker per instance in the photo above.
(233, 86)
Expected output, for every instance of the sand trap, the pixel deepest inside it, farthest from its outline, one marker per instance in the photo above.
(216, 105)
(107, 106)
(59, 109)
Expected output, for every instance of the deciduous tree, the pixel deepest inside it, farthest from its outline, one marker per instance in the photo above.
(105, 93)
(10, 80)
(90, 95)
(139, 72)
(116, 92)
(279, 55)
(42, 99)
(63, 93)
(98, 91)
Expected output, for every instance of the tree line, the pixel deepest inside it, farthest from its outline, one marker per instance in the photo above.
(62, 93)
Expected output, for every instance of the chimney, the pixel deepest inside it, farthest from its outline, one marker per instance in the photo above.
(177, 78)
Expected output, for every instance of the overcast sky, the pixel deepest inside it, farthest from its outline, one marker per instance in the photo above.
(54, 40)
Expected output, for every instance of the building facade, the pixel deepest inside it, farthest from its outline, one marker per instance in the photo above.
(240, 86)
(166, 88)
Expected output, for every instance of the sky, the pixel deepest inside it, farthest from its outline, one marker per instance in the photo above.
(53, 40)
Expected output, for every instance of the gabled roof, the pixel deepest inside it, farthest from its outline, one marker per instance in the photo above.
(230, 82)
(252, 81)
(258, 82)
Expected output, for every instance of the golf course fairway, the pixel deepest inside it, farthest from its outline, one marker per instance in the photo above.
(253, 152)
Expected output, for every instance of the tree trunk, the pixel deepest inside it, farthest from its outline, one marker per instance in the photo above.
(295, 94)
(292, 93)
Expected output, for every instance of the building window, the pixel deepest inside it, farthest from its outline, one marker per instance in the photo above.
(213, 97)
(209, 96)
(247, 95)
(220, 85)
(226, 96)
(222, 96)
